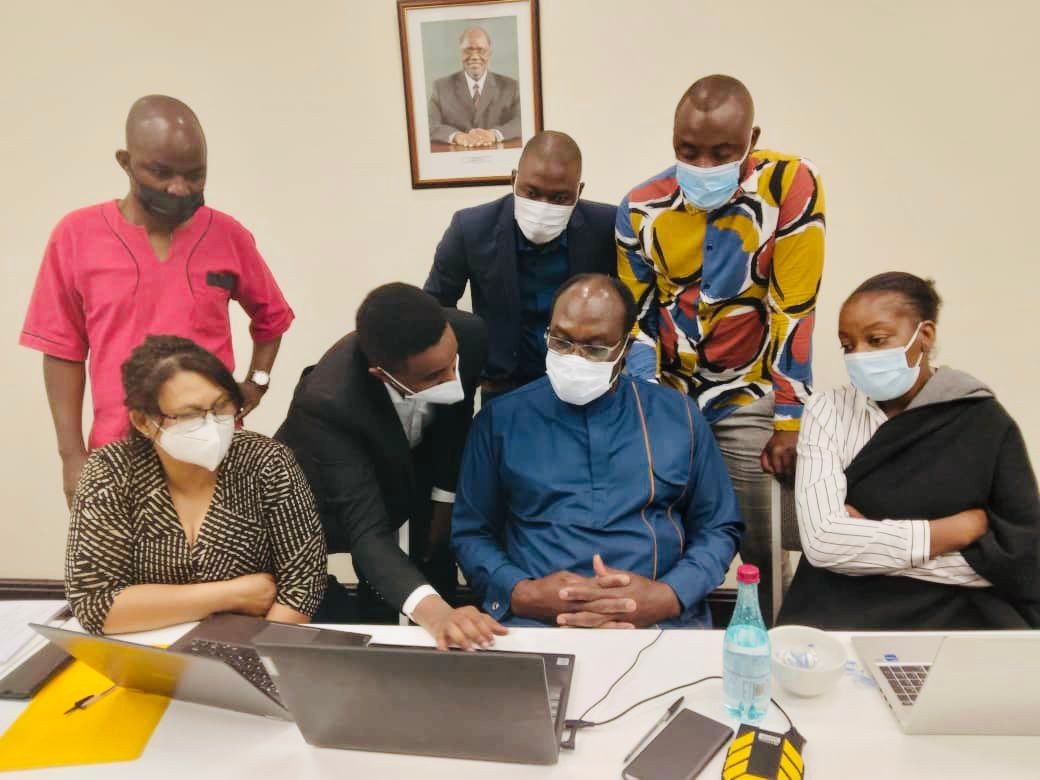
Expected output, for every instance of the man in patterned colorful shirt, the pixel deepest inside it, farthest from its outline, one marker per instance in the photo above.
(723, 252)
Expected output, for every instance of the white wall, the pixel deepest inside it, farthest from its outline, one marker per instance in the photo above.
(920, 115)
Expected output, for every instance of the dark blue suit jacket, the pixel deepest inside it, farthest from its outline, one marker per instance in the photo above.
(479, 248)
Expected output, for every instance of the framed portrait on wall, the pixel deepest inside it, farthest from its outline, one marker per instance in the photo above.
(472, 86)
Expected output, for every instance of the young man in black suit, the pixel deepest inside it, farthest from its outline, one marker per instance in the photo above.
(378, 426)
(516, 251)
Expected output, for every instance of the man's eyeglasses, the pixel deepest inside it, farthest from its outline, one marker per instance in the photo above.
(223, 411)
(594, 352)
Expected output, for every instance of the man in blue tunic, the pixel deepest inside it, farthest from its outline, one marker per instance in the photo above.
(589, 498)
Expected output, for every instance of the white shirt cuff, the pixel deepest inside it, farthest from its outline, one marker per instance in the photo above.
(498, 135)
(442, 496)
(920, 543)
(418, 595)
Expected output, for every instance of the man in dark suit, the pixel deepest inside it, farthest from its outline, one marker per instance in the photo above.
(475, 107)
(378, 426)
(516, 251)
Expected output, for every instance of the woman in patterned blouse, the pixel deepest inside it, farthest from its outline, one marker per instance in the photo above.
(189, 517)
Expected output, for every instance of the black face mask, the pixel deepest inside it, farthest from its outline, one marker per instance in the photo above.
(172, 208)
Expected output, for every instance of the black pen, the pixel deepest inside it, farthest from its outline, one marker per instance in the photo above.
(653, 729)
(86, 701)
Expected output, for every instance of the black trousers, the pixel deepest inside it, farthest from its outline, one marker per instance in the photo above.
(438, 565)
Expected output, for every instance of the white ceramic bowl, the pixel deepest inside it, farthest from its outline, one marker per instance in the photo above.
(830, 659)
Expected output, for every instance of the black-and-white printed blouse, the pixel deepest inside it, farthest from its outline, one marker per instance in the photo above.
(125, 530)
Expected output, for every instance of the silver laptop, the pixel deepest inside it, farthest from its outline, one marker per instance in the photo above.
(214, 664)
(487, 705)
(971, 683)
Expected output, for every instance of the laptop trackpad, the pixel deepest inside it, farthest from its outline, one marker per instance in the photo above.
(277, 633)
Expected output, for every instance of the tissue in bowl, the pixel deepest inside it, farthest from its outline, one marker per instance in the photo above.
(806, 661)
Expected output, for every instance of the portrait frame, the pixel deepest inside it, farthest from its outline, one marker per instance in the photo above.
(438, 80)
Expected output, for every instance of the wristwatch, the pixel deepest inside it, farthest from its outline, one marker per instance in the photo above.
(260, 378)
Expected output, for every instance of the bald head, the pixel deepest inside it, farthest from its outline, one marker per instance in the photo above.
(165, 153)
(475, 46)
(162, 120)
(710, 92)
(552, 146)
(549, 169)
(592, 309)
(714, 122)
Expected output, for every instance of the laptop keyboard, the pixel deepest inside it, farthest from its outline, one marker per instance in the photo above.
(243, 660)
(906, 679)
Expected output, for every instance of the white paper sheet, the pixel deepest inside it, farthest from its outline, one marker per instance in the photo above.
(15, 617)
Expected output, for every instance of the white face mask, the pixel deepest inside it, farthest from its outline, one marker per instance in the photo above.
(204, 446)
(445, 393)
(577, 380)
(541, 222)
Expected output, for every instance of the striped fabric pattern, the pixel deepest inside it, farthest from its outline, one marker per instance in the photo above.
(835, 427)
(727, 297)
(125, 530)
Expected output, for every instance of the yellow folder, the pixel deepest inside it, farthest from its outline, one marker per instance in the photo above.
(115, 727)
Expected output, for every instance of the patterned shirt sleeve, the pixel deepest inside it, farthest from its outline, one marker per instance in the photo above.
(98, 557)
(793, 287)
(639, 277)
(297, 540)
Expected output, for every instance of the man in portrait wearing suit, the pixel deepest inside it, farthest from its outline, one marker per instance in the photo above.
(475, 107)
(378, 426)
(516, 251)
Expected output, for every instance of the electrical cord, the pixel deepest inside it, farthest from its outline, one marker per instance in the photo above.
(581, 723)
(622, 676)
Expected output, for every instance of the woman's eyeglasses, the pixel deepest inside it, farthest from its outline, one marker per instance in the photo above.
(192, 421)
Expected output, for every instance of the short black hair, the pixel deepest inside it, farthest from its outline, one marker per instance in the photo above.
(919, 294)
(631, 311)
(397, 321)
(157, 359)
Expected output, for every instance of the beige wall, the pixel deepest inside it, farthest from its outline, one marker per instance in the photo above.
(917, 113)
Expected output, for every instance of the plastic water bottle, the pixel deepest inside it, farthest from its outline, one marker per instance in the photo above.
(746, 672)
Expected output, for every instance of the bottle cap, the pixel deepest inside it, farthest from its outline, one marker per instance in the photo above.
(747, 573)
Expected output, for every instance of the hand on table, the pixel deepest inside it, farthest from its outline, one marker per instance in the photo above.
(617, 599)
(483, 137)
(475, 137)
(464, 627)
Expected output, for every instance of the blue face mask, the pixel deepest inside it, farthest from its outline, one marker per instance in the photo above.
(709, 188)
(884, 374)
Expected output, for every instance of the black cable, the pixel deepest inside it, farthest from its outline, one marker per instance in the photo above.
(624, 712)
(613, 685)
(581, 723)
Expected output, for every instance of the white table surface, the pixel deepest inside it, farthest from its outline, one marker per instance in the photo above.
(850, 731)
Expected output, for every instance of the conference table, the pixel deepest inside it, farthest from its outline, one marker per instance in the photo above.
(850, 732)
(441, 146)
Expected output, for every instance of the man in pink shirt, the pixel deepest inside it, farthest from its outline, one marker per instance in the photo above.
(156, 262)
